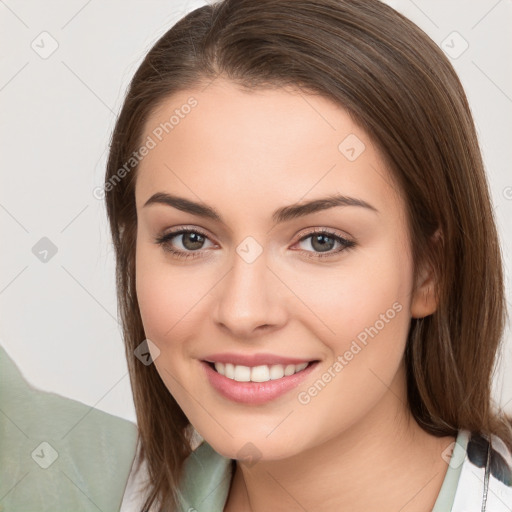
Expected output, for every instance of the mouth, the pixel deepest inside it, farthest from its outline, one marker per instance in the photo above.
(256, 385)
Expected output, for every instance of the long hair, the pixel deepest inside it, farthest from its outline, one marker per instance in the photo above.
(399, 86)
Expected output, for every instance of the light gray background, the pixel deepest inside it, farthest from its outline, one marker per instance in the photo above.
(58, 318)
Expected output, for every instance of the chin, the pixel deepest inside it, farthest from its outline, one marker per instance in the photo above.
(256, 447)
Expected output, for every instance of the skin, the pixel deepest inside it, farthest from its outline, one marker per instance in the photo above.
(355, 445)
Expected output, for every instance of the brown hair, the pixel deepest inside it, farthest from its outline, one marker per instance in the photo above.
(399, 86)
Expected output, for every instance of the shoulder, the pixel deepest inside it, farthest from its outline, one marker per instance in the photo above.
(73, 452)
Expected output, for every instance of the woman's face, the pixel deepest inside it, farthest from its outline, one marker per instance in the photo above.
(260, 280)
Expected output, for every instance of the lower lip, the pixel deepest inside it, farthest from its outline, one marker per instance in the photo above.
(255, 392)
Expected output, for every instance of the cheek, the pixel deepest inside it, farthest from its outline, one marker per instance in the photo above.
(161, 295)
(376, 303)
(367, 312)
(157, 305)
(368, 294)
(172, 299)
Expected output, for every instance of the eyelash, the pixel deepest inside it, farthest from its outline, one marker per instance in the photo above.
(164, 241)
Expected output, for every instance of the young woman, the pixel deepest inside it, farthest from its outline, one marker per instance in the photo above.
(308, 268)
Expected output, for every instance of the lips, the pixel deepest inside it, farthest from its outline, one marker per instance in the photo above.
(262, 389)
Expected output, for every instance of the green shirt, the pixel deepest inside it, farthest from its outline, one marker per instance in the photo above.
(207, 478)
(57, 454)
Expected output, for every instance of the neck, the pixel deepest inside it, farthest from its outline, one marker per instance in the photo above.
(384, 462)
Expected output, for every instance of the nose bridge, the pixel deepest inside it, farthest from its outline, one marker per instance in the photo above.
(248, 296)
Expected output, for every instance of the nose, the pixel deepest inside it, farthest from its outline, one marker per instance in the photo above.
(249, 299)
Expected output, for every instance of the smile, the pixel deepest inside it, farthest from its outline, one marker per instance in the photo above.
(255, 385)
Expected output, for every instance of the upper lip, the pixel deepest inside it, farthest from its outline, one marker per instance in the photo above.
(254, 359)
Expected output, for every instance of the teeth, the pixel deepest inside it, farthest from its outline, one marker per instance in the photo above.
(261, 373)
(242, 373)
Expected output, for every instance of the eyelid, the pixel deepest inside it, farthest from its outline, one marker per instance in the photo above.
(325, 230)
(179, 230)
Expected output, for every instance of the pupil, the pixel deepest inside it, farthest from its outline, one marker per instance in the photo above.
(194, 239)
(322, 245)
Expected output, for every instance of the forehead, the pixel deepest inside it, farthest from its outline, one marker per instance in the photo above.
(279, 145)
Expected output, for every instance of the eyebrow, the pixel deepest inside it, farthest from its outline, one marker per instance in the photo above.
(283, 214)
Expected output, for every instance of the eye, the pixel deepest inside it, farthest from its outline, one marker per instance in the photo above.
(191, 242)
(324, 240)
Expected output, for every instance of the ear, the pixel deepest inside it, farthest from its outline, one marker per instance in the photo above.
(424, 301)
